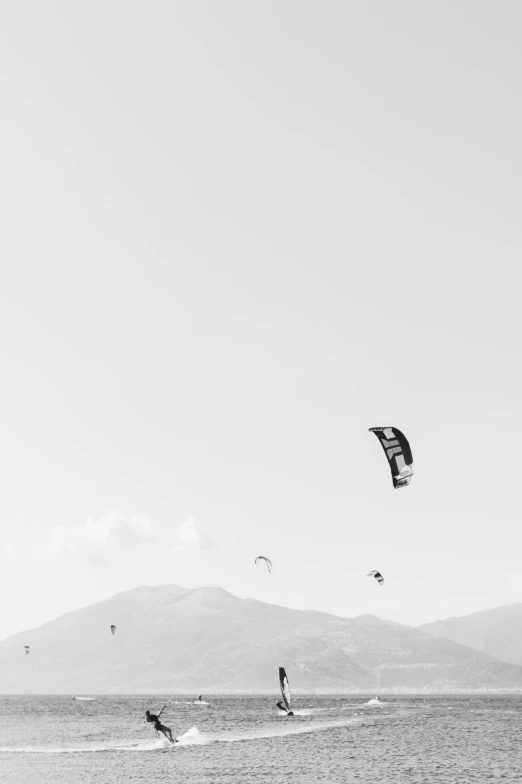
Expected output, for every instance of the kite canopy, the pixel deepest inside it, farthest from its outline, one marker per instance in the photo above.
(266, 560)
(113, 628)
(378, 576)
(398, 452)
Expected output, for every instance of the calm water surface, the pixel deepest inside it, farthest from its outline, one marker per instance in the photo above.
(238, 740)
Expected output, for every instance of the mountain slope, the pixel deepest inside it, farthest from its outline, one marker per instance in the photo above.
(497, 632)
(171, 639)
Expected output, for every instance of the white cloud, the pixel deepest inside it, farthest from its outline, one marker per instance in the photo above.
(92, 541)
(99, 541)
(193, 535)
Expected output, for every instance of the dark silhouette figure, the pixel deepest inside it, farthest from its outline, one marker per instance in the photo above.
(158, 726)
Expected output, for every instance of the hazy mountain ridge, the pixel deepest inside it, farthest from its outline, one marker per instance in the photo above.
(497, 631)
(172, 639)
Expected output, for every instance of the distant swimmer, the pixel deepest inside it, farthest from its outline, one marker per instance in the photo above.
(282, 708)
(158, 726)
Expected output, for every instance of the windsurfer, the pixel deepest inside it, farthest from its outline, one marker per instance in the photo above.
(284, 704)
(282, 708)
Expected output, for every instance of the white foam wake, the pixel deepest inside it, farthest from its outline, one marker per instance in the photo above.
(279, 731)
(190, 737)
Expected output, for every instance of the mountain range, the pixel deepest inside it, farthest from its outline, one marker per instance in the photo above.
(174, 640)
(497, 631)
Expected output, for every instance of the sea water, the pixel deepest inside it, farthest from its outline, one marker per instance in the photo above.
(246, 740)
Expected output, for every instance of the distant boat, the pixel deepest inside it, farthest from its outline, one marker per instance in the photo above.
(84, 699)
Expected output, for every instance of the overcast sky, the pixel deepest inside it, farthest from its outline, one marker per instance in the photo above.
(234, 236)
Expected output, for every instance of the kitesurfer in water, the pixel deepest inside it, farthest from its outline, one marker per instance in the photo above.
(158, 726)
(282, 708)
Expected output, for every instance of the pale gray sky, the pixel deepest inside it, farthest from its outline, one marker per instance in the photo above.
(236, 235)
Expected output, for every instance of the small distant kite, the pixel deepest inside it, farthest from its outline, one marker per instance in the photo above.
(266, 560)
(27, 649)
(398, 452)
(113, 628)
(378, 576)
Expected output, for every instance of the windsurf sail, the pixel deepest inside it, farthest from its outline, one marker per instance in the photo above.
(285, 687)
(113, 628)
